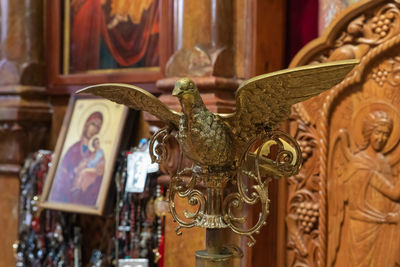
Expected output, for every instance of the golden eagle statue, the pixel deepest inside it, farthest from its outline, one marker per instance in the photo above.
(227, 147)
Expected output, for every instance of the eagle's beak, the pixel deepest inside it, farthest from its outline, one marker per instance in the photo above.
(177, 91)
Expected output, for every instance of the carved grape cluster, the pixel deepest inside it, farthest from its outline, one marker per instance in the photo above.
(381, 24)
(306, 148)
(307, 215)
(379, 76)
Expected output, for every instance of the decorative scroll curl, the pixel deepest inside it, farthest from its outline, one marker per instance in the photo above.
(158, 145)
(271, 156)
(182, 184)
(187, 190)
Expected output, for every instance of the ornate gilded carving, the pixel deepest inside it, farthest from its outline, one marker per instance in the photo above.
(371, 34)
(242, 148)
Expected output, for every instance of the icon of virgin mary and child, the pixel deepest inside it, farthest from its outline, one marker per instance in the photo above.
(79, 176)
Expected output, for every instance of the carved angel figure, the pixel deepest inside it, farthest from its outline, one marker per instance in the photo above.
(363, 198)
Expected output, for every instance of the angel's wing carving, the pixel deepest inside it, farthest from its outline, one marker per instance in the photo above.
(263, 102)
(136, 98)
(340, 157)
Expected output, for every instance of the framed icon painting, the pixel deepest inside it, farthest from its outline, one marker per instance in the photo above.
(86, 150)
(101, 36)
(98, 41)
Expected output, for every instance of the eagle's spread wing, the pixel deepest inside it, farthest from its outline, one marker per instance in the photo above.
(136, 98)
(263, 102)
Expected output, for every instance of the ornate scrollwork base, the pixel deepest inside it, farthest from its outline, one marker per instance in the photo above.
(273, 155)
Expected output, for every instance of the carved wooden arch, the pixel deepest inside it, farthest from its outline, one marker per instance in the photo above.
(369, 31)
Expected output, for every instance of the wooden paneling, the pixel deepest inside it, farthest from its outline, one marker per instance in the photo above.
(266, 46)
(59, 106)
(343, 209)
(9, 197)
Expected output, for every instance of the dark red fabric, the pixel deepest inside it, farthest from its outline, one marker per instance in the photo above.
(85, 36)
(302, 25)
(129, 45)
(127, 42)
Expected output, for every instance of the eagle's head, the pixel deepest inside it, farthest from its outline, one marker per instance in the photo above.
(187, 93)
(184, 87)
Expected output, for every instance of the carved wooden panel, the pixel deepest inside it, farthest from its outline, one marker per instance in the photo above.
(343, 208)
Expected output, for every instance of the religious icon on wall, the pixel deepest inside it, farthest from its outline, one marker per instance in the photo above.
(84, 157)
(104, 35)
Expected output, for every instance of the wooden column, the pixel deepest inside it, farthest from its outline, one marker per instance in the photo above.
(24, 112)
